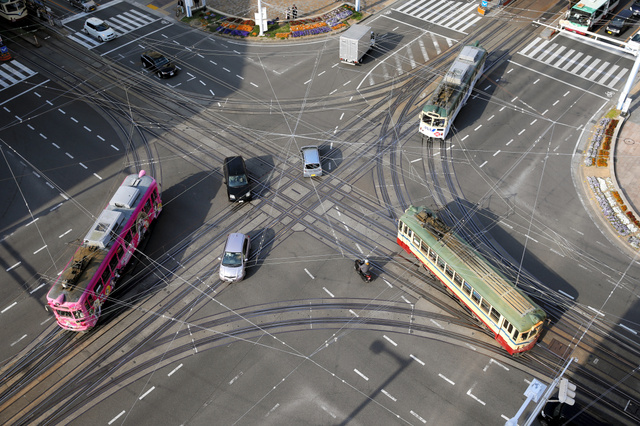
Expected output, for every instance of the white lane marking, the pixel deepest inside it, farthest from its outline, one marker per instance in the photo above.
(471, 346)
(308, 81)
(417, 416)
(505, 417)
(406, 300)
(358, 247)
(117, 417)
(417, 159)
(13, 266)
(98, 176)
(475, 397)
(37, 288)
(309, 273)
(477, 128)
(416, 359)
(8, 307)
(61, 111)
(566, 93)
(43, 136)
(493, 361)
(545, 111)
(328, 292)
(174, 370)
(483, 164)
(388, 283)
(566, 294)
(83, 166)
(147, 392)
(62, 235)
(69, 155)
(436, 154)
(236, 378)
(437, 323)
(509, 142)
(328, 412)
(389, 395)
(86, 128)
(521, 131)
(531, 238)
(556, 102)
(74, 119)
(389, 340)
(18, 340)
(496, 153)
(628, 329)
(360, 374)
(533, 121)
(46, 321)
(253, 84)
(466, 136)
(595, 310)
(448, 380)
(354, 314)
(115, 147)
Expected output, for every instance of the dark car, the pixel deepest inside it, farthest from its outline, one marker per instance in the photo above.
(236, 179)
(635, 8)
(619, 23)
(158, 63)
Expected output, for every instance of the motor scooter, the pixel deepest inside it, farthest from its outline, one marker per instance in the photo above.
(366, 277)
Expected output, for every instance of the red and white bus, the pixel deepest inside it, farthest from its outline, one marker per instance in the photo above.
(78, 294)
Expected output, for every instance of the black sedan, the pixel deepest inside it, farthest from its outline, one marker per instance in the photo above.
(236, 179)
(158, 63)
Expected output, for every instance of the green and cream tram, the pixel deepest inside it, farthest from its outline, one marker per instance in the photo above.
(514, 319)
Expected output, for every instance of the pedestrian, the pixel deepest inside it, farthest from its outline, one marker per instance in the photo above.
(288, 13)
(294, 12)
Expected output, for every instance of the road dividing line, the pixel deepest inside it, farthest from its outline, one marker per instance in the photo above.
(147, 392)
(389, 340)
(309, 273)
(419, 361)
(37, 288)
(417, 416)
(389, 395)
(174, 370)
(117, 417)
(13, 266)
(8, 307)
(448, 380)
(360, 374)
(328, 292)
(388, 283)
(18, 340)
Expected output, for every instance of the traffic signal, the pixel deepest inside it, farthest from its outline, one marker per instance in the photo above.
(567, 392)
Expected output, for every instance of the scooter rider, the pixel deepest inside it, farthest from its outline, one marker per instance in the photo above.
(364, 267)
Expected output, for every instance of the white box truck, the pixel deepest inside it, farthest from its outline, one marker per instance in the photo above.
(355, 42)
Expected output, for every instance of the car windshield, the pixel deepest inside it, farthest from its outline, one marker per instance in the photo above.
(232, 259)
(102, 26)
(312, 166)
(161, 61)
(237, 181)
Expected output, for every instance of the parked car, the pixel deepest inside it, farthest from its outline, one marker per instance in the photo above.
(634, 44)
(311, 166)
(620, 23)
(85, 5)
(635, 8)
(236, 179)
(234, 257)
(158, 63)
(99, 29)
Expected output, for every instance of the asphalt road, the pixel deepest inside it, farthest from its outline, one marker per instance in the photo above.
(302, 339)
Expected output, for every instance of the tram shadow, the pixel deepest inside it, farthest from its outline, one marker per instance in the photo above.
(181, 224)
(483, 91)
(480, 227)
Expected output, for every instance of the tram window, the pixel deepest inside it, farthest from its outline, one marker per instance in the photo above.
(119, 252)
(495, 315)
(432, 255)
(416, 240)
(62, 313)
(466, 287)
(438, 122)
(147, 206)
(475, 296)
(457, 279)
(401, 226)
(113, 262)
(507, 326)
(448, 271)
(106, 276)
(485, 306)
(515, 334)
(424, 249)
(441, 263)
(524, 336)
(127, 238)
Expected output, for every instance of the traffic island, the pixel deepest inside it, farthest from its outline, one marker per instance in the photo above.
(598, 171)
(236, 27)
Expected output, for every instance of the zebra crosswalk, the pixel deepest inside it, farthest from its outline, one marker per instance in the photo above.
(122, 23)
(455, 15)
(576, 63)
(13, 72)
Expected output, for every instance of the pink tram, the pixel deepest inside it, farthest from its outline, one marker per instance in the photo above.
(90, 276)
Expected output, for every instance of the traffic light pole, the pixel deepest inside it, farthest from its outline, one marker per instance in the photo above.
(532, 393)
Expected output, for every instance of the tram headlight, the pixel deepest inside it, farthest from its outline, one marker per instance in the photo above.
(232, 197)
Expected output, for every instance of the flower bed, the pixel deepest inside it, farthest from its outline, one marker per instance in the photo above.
(624, 222)
(598, 151)
(309, 29)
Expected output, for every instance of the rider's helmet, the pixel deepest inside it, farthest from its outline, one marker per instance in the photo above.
(366, 261)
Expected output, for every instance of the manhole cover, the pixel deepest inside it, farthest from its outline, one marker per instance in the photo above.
(558, 348)
(629, 141)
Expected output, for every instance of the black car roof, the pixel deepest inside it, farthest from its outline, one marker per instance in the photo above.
(235, 164)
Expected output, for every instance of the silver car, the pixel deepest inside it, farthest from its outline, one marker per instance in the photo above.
(311, 166)
(234, 258)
